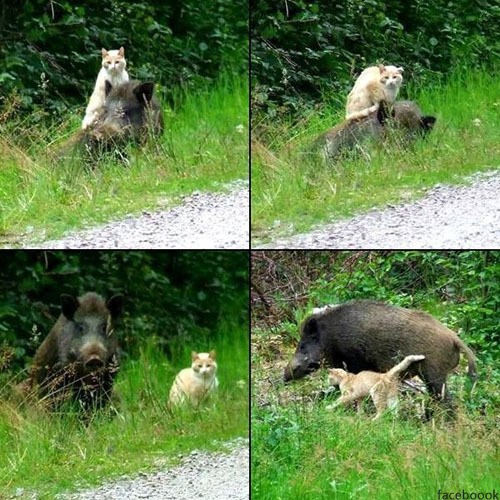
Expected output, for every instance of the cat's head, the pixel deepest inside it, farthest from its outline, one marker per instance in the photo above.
(391, 76)
(114, 60)
(336, 376)
(204, 363)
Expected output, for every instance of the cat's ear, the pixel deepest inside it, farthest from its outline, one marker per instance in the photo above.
(107, 87)
(381, 67)
(400, 69)
(144, 92)
(104, 53)
(121, 52)
(212, 354)
(194, 355)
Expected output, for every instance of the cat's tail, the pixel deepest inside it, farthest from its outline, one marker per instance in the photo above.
(401, 367)
(357, 115)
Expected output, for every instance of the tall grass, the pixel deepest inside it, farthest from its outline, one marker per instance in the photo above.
(300, 449)
(204, 146)
(310, 453)
(293, 189)
(47, 453)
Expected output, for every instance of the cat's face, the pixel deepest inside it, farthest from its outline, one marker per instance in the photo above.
(204, 363)
(114, 60)
(391, 76)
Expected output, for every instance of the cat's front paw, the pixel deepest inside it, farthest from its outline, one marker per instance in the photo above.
(86, 123)
(89, 121)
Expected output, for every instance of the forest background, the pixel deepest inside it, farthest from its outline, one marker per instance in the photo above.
(303, 50)
(302, 450)
(305, 58)
(184, 44)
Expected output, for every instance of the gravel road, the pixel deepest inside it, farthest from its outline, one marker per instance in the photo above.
(447, 217)
(203, 220)
(203, 475)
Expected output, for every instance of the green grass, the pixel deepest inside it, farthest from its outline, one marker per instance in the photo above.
(204, 147)
(47, 453)
(311, 453)
(302, 450)
(296, 188)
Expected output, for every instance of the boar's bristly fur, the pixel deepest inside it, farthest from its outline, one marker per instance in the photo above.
(374, 336)
(79, 358)
(130, 112)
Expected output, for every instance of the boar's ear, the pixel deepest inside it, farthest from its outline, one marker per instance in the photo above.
(427, 122)
(310, 329)
(144, 92)
(69, 305)
(107, 87)
(115, 305)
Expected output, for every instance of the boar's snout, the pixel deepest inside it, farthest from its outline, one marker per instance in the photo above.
(94, 363)
(300, 367)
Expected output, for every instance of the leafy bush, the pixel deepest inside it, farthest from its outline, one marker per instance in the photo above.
(303, 50)
(50, 51)
(179, 298)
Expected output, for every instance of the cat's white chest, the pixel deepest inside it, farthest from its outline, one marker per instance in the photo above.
(205, 383)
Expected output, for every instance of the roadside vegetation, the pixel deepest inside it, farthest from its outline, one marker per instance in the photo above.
(293, 188)
(306, 57)
(46, 453)
(174, 303)
(302, 450)
(44, 192)
(306, 451)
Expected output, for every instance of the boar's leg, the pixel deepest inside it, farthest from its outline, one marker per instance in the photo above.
(437, 389)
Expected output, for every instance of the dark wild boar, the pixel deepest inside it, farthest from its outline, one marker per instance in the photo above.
(371, 335)
(130, 112)
(404, 116)
(409, 119)
(79, 358)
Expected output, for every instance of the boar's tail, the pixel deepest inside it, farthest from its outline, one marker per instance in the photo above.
(471, 358)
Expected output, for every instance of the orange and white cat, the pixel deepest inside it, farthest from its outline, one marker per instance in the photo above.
(193, 385)
(381, 387)
(374, 84)
(113, 70)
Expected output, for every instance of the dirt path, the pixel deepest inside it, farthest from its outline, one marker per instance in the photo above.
(201, 475)
(447, 217)
(203, 220)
